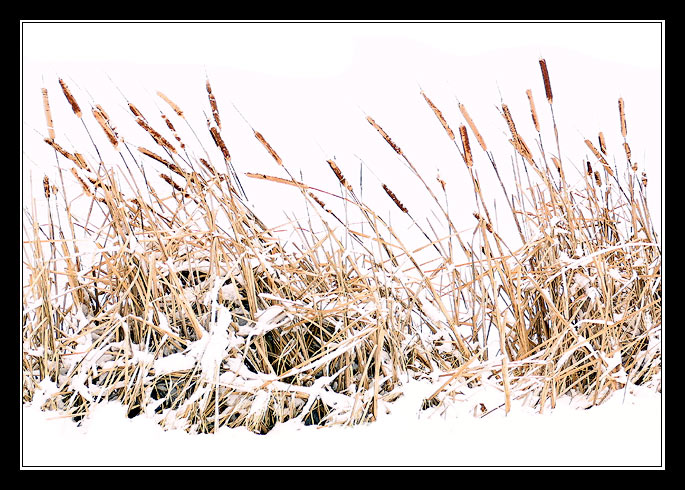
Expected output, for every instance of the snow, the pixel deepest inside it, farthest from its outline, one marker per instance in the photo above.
(624, 431)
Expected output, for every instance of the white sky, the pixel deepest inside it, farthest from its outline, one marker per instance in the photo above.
(308, 86)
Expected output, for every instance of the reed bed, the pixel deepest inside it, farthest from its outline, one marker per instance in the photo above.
(172, 297)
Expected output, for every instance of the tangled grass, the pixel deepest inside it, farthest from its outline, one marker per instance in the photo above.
(171, 296)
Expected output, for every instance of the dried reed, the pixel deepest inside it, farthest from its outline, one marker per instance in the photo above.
(191, 310)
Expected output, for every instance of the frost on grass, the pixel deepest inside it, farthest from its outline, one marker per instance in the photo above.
(173, 298)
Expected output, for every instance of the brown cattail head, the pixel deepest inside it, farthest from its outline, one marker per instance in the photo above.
(621, 111)
(468, 159)
(212, 103)
(510, 120)
(598, 178)
(602, 143)
(279, 180)
(627, 149)
(384, 135)
(171, 166)
(266, 145)
(70, 98)
(173, 184)
(469, 121)
(545, 79)
(599, 156)
(48, 114)
(166, 99)
(341, 178)
(84, 186)
(394, 199)
(319, 202)
(533, 112)
(439, 115)
(46, 186)
(644, 179)
(219, 142)
(135, 111)
(159, 139)
(103, 121)
(173, 130)
(589, 169)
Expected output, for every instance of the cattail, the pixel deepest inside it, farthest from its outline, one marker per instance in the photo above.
(77, 158)
(218, 141)
(268, 148)
(166, 99)
(598, 178)
(599, 156)
(103, 121)
(533, 112)
(467, 147)
(70, 98)
(339, 175)
(319, 202)
(627, 149)
(85, 187)
(602, 144)
(80, 161)
(208, 166)
(384, 135)
(173, 130)
(173, 184)
(509, 119)
(46, 186)
(212, 103)
(159, 139)
(545, 78)
(439, 115)
(279, 180)
(48, 114)
(171, 166)
(394, 199)
(621, 111)
(557, 163)
(589, 169)
(644, 179)
(135, 111)
(469, 121)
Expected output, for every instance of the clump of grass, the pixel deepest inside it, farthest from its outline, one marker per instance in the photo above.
(171, 296)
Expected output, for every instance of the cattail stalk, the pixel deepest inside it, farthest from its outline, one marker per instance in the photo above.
(394, 199)
(545, 78)
(341, 178)
(384, 135)
(176, 108)
(266, 145)
(212, 103)
(103, 121)
(70, 98)
(48, 114)
(533, 112)
(468, 159)
(439, 115)
(471, 124)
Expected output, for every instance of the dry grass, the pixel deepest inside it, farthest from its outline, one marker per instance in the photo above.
(188, 308)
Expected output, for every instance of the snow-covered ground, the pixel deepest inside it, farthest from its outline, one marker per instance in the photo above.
(625, 431)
